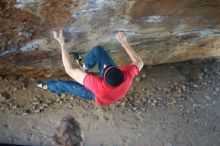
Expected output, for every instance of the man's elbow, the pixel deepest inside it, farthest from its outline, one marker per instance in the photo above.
(139, 63)
(68, 70)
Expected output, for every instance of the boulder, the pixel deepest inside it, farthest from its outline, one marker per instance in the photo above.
(160, 31)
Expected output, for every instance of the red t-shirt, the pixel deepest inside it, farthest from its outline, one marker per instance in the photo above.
(105, 94)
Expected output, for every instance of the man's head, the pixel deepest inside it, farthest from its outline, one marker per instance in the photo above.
(68, 133)
(113, 76)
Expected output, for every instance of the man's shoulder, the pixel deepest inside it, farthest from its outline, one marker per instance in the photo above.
(131, 70)
(128, 67)
(91, 78)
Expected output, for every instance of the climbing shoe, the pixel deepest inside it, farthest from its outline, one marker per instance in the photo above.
(79, 60)
(41, 85)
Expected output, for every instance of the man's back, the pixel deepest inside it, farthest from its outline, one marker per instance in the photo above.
(106, 94)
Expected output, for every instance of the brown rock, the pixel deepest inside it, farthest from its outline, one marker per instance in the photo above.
(156, 36)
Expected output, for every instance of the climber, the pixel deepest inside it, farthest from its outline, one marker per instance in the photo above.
(112, 83)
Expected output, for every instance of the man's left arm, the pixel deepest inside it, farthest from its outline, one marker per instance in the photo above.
(136, 59)
(75, 73)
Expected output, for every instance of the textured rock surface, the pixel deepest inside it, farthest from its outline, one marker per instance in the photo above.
(161, 31)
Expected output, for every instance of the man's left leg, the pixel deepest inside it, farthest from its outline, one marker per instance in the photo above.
(70, 87)
(98, 56)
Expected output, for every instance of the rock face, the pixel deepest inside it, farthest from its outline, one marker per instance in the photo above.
(161, 31)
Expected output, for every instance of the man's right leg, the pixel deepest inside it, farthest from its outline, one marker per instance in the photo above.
(70, 87)
(100, 57)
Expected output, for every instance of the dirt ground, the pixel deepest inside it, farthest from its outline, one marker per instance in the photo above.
(168, 105)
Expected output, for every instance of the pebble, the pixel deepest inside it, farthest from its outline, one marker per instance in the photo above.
(35, 99)
(10, 104)
(34, 106)
(175, 84)
(37, 111)
(49, 102)
(63, 96)
(155, 101)
(24, 113)
(45, 105)
(138, 101)
(36, 103)
(208, 98)
(15, 89)
(144, 99)
(204, 84)
(166, 90)
(153, 104)
(200, 75)
(134, 108)
(216, 89)
(157, 88)
(123, 103)
(160, 98)
(195, 86)
(183, 87)
(4, 96)
(41, 107)
(137, 79)
(1, 78)
(179, 91)
(168, 144)
(173, 102)
(143, 75)
(196, 105)
(196, 121)
(106, 118)
(14, 107)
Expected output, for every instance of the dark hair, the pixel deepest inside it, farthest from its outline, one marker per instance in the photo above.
(68, 133)
(113, 76)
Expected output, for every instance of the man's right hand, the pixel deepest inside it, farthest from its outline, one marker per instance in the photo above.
(121, 38)
(59, 37)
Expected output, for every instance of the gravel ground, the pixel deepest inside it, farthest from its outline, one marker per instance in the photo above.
(168, 105)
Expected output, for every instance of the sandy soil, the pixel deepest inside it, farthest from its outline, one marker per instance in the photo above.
(168, 105)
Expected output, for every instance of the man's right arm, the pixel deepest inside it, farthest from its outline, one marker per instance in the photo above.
(75, 73)
(136, 59)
